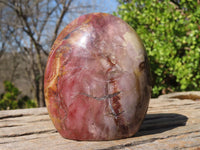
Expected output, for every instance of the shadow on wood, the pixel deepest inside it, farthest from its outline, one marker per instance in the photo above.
(154, 124)
(158, 123)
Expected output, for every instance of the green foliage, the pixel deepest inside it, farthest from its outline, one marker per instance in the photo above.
(170, 31)
(12, 99)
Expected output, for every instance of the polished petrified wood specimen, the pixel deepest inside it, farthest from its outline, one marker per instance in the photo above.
(97, 79)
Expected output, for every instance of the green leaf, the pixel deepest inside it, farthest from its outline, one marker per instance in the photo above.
(172, 40)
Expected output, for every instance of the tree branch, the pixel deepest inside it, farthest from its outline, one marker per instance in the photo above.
(65, 9)
(176, 4)
(2, 50)
(46, 20)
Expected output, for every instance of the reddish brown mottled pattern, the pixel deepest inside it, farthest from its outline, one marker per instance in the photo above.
(96, 79)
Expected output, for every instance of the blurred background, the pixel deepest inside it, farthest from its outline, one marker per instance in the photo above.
(169, 29)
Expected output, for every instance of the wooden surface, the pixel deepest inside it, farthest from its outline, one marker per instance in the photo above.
(172, 122)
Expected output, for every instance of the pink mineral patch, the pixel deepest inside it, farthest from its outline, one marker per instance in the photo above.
(97, 79)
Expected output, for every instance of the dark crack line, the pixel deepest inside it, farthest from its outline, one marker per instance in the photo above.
(25, 134)
(9, 126)
(103, 97)
(112, 109)
(21, 115)
(113, 113)
(27, 139)
(116, 115)
(41, 120)
(12, 116)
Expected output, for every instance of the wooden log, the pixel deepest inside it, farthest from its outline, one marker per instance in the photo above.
(172, 122)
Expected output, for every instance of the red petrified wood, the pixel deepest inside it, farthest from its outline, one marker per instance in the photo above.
(97, 79)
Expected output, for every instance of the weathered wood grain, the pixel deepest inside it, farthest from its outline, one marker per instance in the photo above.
(172, 122)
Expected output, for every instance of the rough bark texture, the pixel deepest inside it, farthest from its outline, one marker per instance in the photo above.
(172, 122)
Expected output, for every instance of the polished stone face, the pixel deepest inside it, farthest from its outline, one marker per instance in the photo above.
(97, 79)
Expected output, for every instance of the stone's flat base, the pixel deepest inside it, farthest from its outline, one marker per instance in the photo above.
(172, 122)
